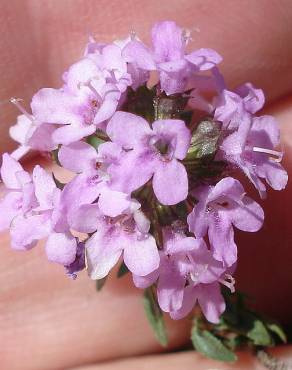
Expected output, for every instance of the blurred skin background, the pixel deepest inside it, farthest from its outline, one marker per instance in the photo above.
(50, 322)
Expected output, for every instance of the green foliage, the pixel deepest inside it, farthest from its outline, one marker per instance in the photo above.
(239, 326)
(154, 316)
(100, 283)
(123, 270)
(94, 141)
(211, 346)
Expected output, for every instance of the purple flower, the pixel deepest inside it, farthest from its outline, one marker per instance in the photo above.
(30, 133)
(150, 152)
(169, 58)
(219, 208)
(28, 209)
(126, 234)
(231, 108)
(253, 150)
(91, 94)
(187, 272)
(20, 197)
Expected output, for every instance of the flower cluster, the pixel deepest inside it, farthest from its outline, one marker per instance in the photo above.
(152, 169)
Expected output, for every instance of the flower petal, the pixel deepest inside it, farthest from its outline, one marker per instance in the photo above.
(127, 129)
(189, 300)
(10, 207)
(249, 216)
(170, 288)
(141, 255)
(221, 236)
(170, 182)
(204, 59)
(102, 253)
(143, 282)
(9, 169)
(61, 248)
(77, 157)
(26, 231)
(45, 187)
(132, 171)
(136, 52)
(69, 133)
(55, 106)
(113, 203)
(85, 218)
(211, 301)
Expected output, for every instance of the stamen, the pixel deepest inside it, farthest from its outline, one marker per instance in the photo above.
(229, 282)
(89, 85)
(186, 36)
(277, 155)
(16, 101)
(133, 35)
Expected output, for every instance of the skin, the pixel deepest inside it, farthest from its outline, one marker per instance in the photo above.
(50, 322)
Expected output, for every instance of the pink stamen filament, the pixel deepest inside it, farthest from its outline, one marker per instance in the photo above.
(16, 101)
(276, 156)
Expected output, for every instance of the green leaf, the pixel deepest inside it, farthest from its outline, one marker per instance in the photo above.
(154, 316)
(259, 334)
(277, 329)
(94, 141)
(210, 346)
(100, 283)
(123, 270)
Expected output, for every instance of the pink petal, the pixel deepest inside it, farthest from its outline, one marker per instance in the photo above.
(211, 301)
(170, 289)
(167, 39)
(10, 207)
(85, 218)
(141, 255)
(143, 282)
(170, 182)
(77, 157)
(253, 98)
(204, 59)
(189, 300)
(127, 129)
(113, 203)
(221, 236)
(136, 52)
(249, 216)
(227, 187)
(54, 106)
(45, 187)
(26, 231)
(69, 134)
(9, 169)
(81, 72)
(132, 171)
(61, 248)
(106, 110)
(102, 253)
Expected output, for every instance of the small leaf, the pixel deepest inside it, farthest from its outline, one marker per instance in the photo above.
(123, 270)
(154, 316)
(95, 141)
(100, 283)
(259, 334)
(210, 346)
(277, 329)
